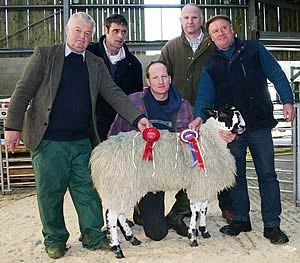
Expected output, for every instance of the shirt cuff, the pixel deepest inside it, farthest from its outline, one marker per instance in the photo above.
(136, 121)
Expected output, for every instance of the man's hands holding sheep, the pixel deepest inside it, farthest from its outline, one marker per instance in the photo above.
(195, 124)
(227, 136)
(143, 124)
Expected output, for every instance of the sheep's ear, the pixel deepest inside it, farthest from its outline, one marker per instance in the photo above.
(209, 112)
(228, 107)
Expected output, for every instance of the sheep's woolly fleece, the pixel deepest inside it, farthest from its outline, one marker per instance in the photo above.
(121, 177)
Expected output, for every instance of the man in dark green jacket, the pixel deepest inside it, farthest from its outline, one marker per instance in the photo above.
(184, 56)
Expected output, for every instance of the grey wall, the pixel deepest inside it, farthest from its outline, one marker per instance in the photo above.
(11, 70)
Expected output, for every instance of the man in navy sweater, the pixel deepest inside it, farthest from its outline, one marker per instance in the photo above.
(236, 74)
(53, 105)
(124, 67)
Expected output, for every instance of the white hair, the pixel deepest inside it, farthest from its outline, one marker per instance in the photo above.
(86, 17)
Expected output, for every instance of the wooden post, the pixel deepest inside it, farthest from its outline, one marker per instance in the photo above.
(252, 20)
(17, 20)
(271, 18)
(66, 9)
(3, 33)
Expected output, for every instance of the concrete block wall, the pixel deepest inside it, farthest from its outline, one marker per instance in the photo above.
(11, 70)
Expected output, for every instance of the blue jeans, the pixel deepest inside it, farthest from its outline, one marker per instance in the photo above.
(260, 144)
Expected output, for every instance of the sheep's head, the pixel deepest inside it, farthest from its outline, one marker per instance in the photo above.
(228, 117)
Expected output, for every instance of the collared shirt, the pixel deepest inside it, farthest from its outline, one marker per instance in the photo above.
(114, 58)
(68, 51)
(194, 44)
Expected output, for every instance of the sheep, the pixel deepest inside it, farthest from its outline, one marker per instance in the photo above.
(122, 178)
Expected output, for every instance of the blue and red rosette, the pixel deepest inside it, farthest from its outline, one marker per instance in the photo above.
(191, 137)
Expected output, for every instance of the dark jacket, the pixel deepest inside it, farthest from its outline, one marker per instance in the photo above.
(240, 79)
(128, 76)
(184, 65)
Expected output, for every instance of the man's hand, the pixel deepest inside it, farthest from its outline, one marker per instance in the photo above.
(195, 124)
(12, 139)
(289, 112)
(227, 136)
(143, 124)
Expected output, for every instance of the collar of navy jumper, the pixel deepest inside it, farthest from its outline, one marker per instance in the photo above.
(229, 52)
(68, 51)
(234, 51)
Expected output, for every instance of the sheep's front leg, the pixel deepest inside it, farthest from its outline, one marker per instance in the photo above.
(112, 234)
(193, 232)
(127, 232)
(202, 224)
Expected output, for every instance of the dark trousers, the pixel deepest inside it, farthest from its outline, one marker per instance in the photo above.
(224, 200)
(152, 211)
(261, 147)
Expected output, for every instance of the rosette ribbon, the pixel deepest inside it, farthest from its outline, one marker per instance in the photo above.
(191, 137)
(150, 135)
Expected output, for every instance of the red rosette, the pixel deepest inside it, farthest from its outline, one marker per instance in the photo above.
(150, 135)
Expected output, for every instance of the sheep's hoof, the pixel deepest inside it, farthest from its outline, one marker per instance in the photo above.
(204, 232)
(117, 251)
(133, 240)
(193, 243)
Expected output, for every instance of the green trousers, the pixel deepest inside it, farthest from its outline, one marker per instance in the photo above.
(59, 166)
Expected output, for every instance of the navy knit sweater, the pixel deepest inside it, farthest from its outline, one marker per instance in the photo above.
(71, 111)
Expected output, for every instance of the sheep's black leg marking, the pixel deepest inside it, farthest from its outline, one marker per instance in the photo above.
(202, 224)
(129, 222)
(112, 234)
(127, 232)
(193, 232)
(117, 251)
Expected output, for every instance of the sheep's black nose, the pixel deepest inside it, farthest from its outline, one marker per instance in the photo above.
(241, 129)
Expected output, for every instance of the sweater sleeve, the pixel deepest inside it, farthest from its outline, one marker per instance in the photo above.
(120, 124)
(276, 75)
(206, 94)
